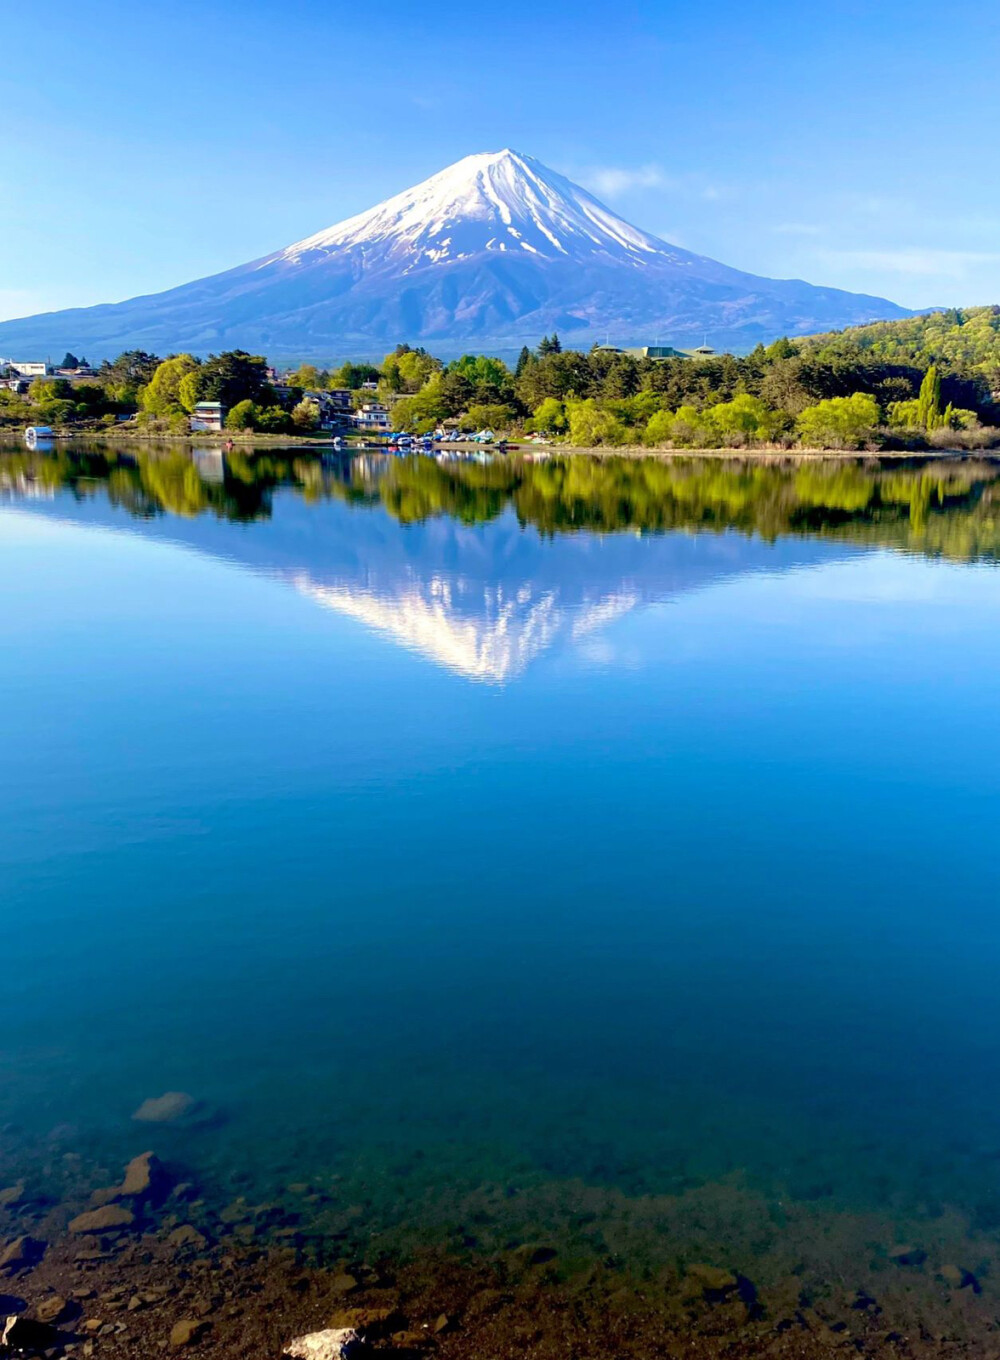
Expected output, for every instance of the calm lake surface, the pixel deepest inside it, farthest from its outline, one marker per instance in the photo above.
(603, 852)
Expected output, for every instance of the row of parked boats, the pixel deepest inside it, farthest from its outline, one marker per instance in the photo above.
(430, 443)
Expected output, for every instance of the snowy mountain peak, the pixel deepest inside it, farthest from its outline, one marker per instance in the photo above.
(493, 251)
(500, 202)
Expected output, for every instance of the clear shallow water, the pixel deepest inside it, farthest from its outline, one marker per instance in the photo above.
(452, 841)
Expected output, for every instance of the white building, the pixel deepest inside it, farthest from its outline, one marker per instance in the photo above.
(373, 418)
(208, 415)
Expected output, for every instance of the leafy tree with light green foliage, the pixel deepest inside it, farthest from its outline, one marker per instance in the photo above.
(273, 420)
(161, 396)
(590, 427)
(421, 412)
(305, 416)
(904, 415)
(748, 418)
(659, 428)
(839, 422)
(244, 416)
(550, 417)
(490, 380)
(694, 429)
(929, 414)
(490, 417)
(308, 376)
(415, 368)
(189, 390)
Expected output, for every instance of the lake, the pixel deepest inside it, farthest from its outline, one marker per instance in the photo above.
(590, 852)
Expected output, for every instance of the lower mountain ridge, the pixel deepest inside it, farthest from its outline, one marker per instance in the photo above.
(490, 253)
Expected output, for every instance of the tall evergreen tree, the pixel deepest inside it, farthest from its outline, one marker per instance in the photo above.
(523, 360)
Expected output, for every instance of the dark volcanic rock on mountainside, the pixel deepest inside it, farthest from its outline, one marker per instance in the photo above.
(490, 253)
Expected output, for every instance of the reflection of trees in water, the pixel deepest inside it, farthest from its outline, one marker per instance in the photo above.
(942, 507)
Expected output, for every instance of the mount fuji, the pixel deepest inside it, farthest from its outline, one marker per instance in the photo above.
(492, 252)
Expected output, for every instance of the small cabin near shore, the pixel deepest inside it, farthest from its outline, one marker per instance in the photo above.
(208, 415)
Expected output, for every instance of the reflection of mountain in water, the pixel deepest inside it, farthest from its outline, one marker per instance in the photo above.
(483, 600)
(484, 569)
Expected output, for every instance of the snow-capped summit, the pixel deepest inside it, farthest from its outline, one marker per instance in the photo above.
(496, 201)
(492, 252)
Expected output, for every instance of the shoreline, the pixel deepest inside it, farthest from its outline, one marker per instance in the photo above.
(151, 1266)
(762, 454)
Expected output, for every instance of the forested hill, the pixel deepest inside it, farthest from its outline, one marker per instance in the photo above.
(965, 340)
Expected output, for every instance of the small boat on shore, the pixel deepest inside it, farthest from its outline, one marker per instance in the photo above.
(34, 433)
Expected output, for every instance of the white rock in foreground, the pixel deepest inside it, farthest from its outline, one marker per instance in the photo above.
(336, 1343)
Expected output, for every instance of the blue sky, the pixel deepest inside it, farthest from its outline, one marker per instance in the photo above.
(852, 145)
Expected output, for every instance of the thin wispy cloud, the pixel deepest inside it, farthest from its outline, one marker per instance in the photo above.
(614, 181)
(914, 262)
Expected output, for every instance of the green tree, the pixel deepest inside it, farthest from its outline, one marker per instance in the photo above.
(305, 416)
(589, 426)
(490, 417)
(274, 420)
(523, 360)
(245, 415)
(123, 378)
(692, 428)
(659, 428)
(353, 375)
(415, 368)
(422, 411)
(161, 395)
(929, 401)
(839, 422)
(235, 376)
(550, 417)
(746, 417)
(189, 389)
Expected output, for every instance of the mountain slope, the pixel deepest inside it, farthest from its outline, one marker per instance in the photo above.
(493, 251)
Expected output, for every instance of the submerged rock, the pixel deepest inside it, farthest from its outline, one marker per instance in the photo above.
(171, 1108)
(907, 1255)
(335, 1343)
(53, 1309)
(713, 1282)
(12, 1194)
(145, 1176)
(373, 1324)
(112, 1218)
(187, 1332)
(23, 1251)
(957, 1277)
(186, 1237)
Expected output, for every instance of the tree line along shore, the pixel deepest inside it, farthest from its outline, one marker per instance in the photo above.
(929, 382)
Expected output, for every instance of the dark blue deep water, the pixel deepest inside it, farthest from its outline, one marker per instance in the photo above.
(615, 846)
